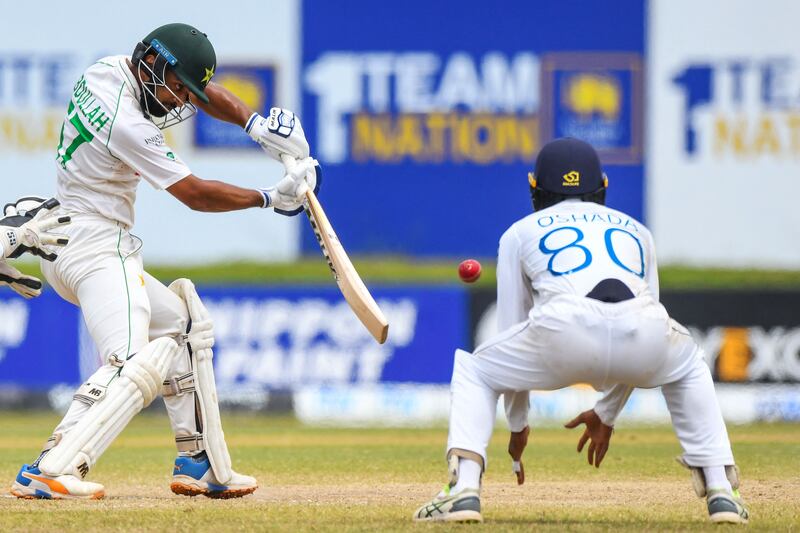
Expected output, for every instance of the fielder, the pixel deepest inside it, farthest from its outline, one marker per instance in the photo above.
(26, 228)
(154, 339)
(578, 302)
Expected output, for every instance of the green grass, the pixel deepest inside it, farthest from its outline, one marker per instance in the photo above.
(325, 479)
(314, 270)
(311, 271)
(720, 278)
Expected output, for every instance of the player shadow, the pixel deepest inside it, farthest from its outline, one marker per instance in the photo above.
(606, 524)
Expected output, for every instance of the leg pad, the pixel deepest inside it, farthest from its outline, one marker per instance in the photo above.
(452, 462)
(699, 478)
(136, 386)
(200, 339)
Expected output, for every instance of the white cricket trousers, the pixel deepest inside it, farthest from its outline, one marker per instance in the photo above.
(571, 340)
(124, 307)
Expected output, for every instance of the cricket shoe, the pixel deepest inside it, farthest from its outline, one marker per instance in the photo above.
(464, 506)
(726, 508)
(31, 483)
(192, 476)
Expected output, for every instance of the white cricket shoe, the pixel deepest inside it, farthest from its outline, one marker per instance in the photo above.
(31, 483)
(464, 506)
(726, 508)
(192, 476)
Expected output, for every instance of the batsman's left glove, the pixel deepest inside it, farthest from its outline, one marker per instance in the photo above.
(288, 195)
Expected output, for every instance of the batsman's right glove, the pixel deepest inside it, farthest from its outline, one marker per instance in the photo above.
(279, 133)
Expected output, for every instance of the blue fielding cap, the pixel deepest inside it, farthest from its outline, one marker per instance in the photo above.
(568, 166)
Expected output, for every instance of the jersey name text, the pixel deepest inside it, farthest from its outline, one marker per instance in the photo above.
(85, 100)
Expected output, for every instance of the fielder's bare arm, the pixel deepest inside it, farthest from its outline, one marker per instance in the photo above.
(577, 299)
(155, 340)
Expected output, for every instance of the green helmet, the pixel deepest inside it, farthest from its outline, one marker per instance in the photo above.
(188, 52)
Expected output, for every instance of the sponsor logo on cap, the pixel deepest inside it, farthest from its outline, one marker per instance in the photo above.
(572, 179)
(164, 51)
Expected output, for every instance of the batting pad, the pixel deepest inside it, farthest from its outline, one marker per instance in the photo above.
(205, 385)
(138, 384)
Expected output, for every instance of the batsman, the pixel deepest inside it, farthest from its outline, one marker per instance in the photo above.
(578, 302)
(154, 340)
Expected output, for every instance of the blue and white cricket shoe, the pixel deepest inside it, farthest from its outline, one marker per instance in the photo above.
(31, 483)
(192, 476)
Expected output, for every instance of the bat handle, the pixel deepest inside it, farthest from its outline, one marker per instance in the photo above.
(289, 162)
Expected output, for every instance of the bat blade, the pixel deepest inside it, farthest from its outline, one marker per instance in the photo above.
(350, 284)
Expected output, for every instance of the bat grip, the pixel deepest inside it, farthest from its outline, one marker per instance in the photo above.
(289, 162)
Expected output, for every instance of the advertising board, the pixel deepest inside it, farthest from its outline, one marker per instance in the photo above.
(427, 130)
(723, 139)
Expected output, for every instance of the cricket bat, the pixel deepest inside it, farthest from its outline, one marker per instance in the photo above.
(355, 292)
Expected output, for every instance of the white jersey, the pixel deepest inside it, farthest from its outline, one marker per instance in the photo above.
(569, 248)
(553, 336)
(107, 145)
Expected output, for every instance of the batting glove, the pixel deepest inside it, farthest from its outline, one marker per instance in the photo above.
(279, 133)
(25, 286)
(288, 195)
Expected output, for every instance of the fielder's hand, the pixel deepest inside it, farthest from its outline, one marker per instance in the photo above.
(288, 195)
(599, 433)
(25, 286)
(516, 445)
(29, 230)
(279, 133)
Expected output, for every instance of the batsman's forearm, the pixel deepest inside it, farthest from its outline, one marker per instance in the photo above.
(225, 197)
(219, 197)
(224, 105)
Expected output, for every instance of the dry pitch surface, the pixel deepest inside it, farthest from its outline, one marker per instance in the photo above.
(315, 479)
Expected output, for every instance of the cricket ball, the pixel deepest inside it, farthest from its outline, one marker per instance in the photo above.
(469, 271)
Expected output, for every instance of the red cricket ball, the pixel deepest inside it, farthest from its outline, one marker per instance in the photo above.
(469, 271)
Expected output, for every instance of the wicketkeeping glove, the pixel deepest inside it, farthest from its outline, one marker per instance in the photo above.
(288, 195)
(21, 206)
(27, 230)
(25, 286)
(279, 133)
